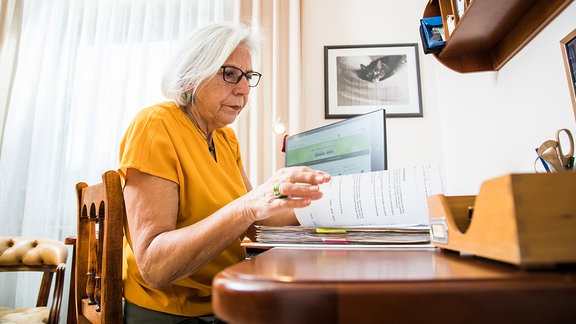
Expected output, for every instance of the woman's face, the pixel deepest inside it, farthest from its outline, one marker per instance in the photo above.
(219, 102)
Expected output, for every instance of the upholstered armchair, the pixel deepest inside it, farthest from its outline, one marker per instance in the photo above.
(39, 255)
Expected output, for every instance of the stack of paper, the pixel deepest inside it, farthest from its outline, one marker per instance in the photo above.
(343, 235)
(381, 207)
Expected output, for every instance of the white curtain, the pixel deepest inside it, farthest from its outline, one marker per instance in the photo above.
(277, 98)
(10, 25)
(84, 68)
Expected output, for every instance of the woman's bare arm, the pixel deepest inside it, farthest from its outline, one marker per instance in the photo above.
(165, 254)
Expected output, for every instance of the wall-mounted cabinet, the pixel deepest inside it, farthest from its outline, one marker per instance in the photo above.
(482, 35)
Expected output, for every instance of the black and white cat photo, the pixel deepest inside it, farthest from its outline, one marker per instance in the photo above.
(366, 80)
(381, 68)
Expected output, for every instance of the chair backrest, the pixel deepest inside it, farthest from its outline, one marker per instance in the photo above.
(41, 255)
(99, 245)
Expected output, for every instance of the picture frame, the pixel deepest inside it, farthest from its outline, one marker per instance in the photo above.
(362, 78)
(568, 45)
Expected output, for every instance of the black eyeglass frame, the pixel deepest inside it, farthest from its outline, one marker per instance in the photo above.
(248, 75)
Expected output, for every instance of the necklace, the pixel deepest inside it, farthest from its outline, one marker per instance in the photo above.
(197, 126)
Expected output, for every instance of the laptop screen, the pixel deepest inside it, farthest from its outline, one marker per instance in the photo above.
(353, 145)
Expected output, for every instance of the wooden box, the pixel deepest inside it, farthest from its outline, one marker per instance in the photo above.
(524, 219)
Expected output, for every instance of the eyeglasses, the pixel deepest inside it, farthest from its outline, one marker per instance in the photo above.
(233, 75)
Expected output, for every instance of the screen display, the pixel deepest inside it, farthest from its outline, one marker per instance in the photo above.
(353, 145)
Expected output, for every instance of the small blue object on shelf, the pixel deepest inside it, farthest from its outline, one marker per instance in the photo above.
(432, 34)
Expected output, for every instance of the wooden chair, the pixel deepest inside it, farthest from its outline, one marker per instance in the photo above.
(39, 255)
(99, 247)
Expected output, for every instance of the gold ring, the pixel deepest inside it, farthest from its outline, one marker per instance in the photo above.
(276, 192)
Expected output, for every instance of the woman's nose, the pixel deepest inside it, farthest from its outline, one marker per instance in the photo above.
(242, 87)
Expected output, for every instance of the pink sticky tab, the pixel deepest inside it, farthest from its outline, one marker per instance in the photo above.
(334, 240)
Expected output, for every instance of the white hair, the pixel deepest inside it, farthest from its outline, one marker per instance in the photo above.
(202, 55)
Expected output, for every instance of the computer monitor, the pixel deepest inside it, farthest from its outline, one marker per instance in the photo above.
(353, 145)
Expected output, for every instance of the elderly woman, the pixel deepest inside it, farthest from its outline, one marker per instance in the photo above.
(188, 199)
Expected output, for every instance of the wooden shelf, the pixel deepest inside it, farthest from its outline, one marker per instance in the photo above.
(490, 32)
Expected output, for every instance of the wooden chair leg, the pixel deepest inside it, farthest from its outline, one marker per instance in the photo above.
(71, 319)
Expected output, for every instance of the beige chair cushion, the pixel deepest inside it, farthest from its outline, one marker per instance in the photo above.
(31, 315)
(18, 251)
(28, 252)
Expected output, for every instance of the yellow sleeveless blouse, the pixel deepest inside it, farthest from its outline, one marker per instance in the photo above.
(163, 142)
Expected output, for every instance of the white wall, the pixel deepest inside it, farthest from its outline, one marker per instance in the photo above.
(476, 126)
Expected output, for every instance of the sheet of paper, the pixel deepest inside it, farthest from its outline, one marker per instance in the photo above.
(380, 198)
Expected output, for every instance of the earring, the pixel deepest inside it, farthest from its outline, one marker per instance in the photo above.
(188, 97)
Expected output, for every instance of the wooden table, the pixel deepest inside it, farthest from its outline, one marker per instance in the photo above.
(394, 286)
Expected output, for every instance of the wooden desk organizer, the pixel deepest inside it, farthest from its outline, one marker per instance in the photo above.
(524, 219)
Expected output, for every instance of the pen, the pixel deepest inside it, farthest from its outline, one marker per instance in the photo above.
(543, 162)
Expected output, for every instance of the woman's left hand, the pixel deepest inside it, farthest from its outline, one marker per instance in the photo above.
(288, 188)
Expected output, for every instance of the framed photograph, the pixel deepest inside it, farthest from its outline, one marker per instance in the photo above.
(362, 78)
(568, 44)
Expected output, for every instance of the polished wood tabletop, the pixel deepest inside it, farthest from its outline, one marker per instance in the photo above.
(286, 285)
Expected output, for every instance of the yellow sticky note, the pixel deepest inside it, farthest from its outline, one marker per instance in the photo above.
(320, 230)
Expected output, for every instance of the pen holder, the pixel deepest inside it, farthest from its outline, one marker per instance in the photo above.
(524, 219)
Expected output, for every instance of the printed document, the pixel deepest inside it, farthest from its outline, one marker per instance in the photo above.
(397, 197)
